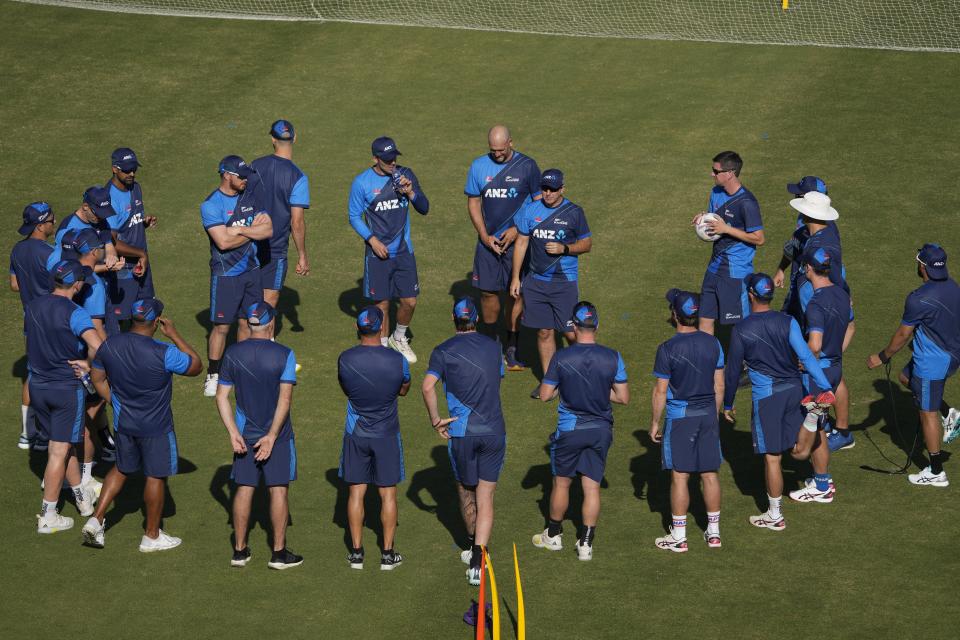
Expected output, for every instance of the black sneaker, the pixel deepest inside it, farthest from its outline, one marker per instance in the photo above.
(240, 558)
(355, 558)
(390, 560)
(535, 394)
(284, 559)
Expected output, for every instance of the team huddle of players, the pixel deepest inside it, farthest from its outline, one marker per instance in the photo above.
(90, 314)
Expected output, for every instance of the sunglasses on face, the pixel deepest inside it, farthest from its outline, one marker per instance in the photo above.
(551, 189)
(717, 172)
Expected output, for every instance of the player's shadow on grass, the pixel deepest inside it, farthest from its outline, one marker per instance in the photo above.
(439, 483)
(652, 483)
(19, 369)
(896, 411)
(353, 301)
(736, 445)
(223, 489)
(130, 498)
(203, 319)
(371, 509)
(287, 307)
(541, 475)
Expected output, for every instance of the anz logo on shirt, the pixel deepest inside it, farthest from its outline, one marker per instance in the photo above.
(501, 193)
(244, 221)
(551, 234)
(135, 219)
(388, 205)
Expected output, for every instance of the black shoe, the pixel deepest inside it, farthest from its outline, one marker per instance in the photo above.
(240, 558)
(284, 559)
(390, 560)
(355, 558)
(39, 444)
(535, 394)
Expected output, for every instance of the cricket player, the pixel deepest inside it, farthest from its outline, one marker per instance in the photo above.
(93, 213)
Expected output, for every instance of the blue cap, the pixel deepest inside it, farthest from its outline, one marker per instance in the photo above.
(282, 130)
(98, 199)
(684, 303)
(465, 309)
(260, 313)
(585, 315)
(236, 166)
(33, 214)
(78, 242)
(552, 178)
(817, 257)
(934, 259)
(147, 309)
(67, 272)
(385, 148)
(370, 320)
(124, 159)
(760, 285)
(806, 185)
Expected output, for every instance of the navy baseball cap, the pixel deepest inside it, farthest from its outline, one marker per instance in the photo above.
(70, 271)
(33, 214)
(370, 320)
(124, 159)
(585, 315)
(465, 309)
(147, 309)
(552, 178)
(282, 130)
(80, 241)
(98, 199)
(760, 285)
(684, 303)
(934, 258)
(806, 185)
(236, 166)
(817, 257)
(260, 313)
(385, 148)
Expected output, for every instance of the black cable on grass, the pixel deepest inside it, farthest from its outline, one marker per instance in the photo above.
(899, 470)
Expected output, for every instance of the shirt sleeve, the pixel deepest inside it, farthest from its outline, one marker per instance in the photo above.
(732, 369)
(80, 321)
(175, 361)
(95, 302)
(806, 357)
(357, 205)
(552, 376)
(913, 310)
(533, 179)
(815, 318)
(210, 215)
(522, 220)
(420, 202)
(473, 187)
(406, 370)
(661, 364)
(751, 216)
(289, 374)
(436, 367)
(300, 194)
(97, 362)
(583, 229)
(226, 370)
(720, 357)
(12, 271)
(621, 376)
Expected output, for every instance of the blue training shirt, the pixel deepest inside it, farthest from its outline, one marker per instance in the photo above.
(688, 362)
(829, 313)
(28, 262)
(371, 378)
(470, 366)
(55, 325)
(585, 374)
(503, 188)
(128, 222)
(566, 223)
(256, 368)
(933, 310)
(730, 256)
(140, 372)
(93, 297)
(284, 186)
(72, 222)
(376, 209)
(232, 211)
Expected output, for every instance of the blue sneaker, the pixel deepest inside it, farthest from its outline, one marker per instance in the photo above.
(838, 441)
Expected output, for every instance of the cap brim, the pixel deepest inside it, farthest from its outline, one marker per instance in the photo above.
(102, 212)
(389, 155)
(27, 229)
(127, 166)
(803, 206)
(795, 189)
(672, 294)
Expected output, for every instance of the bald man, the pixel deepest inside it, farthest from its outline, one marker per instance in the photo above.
(499, 184)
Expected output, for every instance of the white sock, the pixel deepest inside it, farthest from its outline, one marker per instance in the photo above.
(48, 508)
(383, 341)
(24, 411)
(679, 528)
(713, 523)
(400, 333)
(810, 422)
(77, 492)
(774, 509)
(86, 472)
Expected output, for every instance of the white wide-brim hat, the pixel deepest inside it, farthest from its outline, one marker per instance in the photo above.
(815, 205)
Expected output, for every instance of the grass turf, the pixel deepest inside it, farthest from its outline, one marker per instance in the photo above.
(633, 125)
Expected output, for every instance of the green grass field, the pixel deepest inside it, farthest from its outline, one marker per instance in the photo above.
(633, 124)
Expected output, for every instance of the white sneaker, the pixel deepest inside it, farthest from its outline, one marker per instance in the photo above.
(473, 576)
(23, 442)
(544, 541)
(403, 346)
(161, 543)
(93, 533)
(210, 384)
(929, 478)
(85, 501)
(951, 426)
(669, 543)
(810, 493)
(584, 551)
(51, 523)
(766, 521)
(466, 555)
(95, 487)
(950, 418)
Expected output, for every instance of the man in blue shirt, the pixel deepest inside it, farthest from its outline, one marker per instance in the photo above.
(471, 367)
(58, 331)
(556, 232)
(930, 316)
(723, 295)
(379, 208)
(793, 248)
(588, 377)
(234, 218)
(689, 373)
(30, 278)
(263, 373)
(134, 373)
(93, 213)
(286, 192)
(499, 184)
(770, 343)
(372, 377)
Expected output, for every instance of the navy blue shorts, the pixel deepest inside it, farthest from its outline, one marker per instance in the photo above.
(231, 295)
(376, 461)
(490, 271)
(691, 444)
(927, 392)
(156, 456)
(723, 299)
(273, 274)
(277, 470)
(123, 292)
(777, 418)
(582, 451)
(476, 458)
(549, 305)
(833, 372)
(59, 409)
(391, 278)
